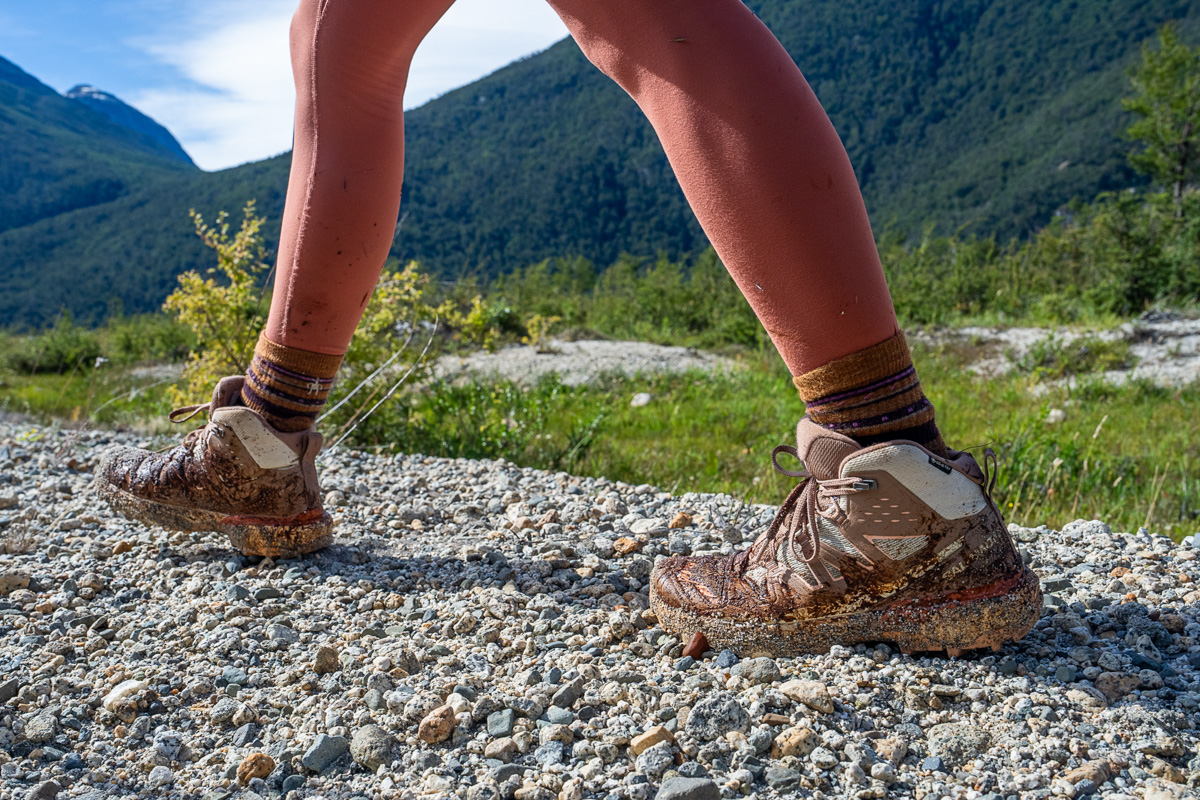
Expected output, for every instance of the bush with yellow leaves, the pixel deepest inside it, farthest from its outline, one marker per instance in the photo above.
(227, 307)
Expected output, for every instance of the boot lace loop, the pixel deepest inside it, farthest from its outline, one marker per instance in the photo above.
(796, 523)
(184, 413)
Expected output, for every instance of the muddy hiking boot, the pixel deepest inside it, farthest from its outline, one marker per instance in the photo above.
(237, 475)
(887, 543)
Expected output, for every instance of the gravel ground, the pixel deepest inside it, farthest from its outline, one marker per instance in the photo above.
(581, 361)
(480, 631)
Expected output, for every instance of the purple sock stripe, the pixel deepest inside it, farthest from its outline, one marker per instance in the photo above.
(846, 408)
(880, 419)
(266, 376)
(833, 398)
(262, 390)
(295, 375)
(266, 407)
(922, 434)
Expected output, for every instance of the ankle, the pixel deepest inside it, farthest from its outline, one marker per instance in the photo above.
(872, 396)
(287, 386)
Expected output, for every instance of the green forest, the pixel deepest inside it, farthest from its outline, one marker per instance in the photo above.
(984, 119)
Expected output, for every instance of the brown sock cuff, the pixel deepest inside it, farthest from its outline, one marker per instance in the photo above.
(293, 359)
(856, 370)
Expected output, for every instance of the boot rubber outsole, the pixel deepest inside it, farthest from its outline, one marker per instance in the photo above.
(952, 622)
(253, 536)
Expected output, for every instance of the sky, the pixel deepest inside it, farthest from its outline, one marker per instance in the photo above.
(216, 73)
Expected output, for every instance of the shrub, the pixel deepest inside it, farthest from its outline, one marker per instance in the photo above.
(1051, 359)
(224, 308)
(63, 348)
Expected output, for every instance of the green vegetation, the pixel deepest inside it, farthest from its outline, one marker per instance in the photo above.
(1166, 101)
(987, 116)
(1050, 359)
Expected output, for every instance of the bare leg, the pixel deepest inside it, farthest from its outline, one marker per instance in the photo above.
(350, 59)
(758, 160)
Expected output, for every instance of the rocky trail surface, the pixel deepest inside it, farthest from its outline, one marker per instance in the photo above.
(480, 631)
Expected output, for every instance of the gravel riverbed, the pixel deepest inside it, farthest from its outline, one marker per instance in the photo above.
(579, 362)
(480, 630)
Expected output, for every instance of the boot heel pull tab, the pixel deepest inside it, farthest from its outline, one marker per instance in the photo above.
(991, 469)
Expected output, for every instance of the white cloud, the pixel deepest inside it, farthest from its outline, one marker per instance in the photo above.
(235, 104)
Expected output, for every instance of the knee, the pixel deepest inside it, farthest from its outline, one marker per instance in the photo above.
(606, 56)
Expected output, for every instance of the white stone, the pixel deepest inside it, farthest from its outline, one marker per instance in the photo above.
(121, 693)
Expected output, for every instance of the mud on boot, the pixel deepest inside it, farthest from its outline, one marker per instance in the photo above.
(888, 543)
(237, 475)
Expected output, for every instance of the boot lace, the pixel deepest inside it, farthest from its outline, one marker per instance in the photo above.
(184, 413)
(795, 524)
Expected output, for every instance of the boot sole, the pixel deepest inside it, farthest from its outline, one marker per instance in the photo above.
(253, 536)
(953, 622)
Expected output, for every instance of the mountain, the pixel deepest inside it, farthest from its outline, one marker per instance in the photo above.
(60, 155)
(984, 114)
(127, 116)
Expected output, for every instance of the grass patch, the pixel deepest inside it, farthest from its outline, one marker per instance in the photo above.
(1122, 454)
(1053, 359)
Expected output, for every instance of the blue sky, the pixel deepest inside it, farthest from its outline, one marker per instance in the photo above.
(216, 72)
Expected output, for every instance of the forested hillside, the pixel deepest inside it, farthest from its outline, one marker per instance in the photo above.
(125, 115)
(990, 114)
(58, 155)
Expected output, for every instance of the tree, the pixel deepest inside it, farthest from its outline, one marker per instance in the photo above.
(1166, 101)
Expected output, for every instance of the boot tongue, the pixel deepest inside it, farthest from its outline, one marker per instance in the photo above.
(822, 450)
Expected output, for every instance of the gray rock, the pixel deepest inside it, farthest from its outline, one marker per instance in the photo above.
(167, 744)
(956, 743)
(823, 758)
(551, 753)
(46, 790)
(160, 776)
(656, 760)
(726, 659)
(282, 633)
(566, 696)
(245, 735)
(8, 690)
(235, 675)
(500, 723)
(372, 746)
(715, 716)
(559, 716)
(757, 670)
(41, 728)
(688, 789)
(1065, 673)
(223, 710)
(781, 779)
(324, 751)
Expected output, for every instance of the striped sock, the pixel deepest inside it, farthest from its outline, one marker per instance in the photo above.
(288, 386)
(872, 396)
